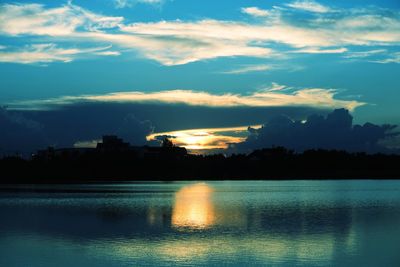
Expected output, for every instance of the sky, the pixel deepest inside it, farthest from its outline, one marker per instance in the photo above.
(199, 72)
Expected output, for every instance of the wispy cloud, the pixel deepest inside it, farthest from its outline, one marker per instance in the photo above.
(36, 19)
(364, 54)
(321, 51)
(271, 97)
(177, 42)
(130, 3)
(274, 87)
(181, 42)
(255, 11)
(392, 58)
(380, 56)
(249, 68)
(310, 6)
(222, 38)
(108, 53)
(46, 53)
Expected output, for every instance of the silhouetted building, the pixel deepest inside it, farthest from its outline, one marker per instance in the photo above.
(113, 145)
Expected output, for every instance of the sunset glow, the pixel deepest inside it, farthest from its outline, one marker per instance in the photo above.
(199, 133)
(204, 139)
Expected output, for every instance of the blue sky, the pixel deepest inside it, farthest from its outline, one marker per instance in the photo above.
(300, 53)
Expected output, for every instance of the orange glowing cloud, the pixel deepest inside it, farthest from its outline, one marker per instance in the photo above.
(268, 97)
(203, 139)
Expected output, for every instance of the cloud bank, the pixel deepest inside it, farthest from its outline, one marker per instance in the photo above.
(19, 134)
(335, 131)
(79, 123)
(27, 131)
(274, 96)
(134, 130)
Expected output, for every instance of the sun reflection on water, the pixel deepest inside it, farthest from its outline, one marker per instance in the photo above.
(193, 207)
(213, 223)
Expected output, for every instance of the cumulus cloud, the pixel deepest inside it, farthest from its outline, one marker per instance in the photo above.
(336, 131)
(312, 97)
(180, 42)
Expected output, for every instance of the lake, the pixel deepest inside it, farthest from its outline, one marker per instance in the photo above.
(252, 223)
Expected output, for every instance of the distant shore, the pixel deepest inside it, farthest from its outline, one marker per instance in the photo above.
(167, 165)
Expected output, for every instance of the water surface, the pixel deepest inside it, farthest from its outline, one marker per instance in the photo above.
(253, 223)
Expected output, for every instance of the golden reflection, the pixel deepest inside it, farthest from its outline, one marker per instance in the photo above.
(272, 248)
(193, 207)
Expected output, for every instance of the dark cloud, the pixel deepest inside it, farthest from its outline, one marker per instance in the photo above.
(81, 122)
(335, 131)
(63, 127)
(18, 134)
(134, 130)
(166, 117)
(67, 126)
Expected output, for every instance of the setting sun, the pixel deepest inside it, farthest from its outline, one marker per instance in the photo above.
(204, 139)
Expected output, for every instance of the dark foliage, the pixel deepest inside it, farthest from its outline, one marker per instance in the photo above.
(172, 163)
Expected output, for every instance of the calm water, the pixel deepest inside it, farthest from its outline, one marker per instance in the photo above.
(291, 223)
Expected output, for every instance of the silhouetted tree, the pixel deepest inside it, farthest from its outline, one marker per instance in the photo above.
(167, 143)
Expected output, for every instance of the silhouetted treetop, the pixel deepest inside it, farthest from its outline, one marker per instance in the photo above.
(167, 143)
